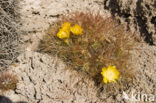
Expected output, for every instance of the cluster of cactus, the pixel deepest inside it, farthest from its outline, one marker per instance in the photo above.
(99, 46)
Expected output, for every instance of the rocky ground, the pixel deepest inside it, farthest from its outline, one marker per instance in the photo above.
(45, 79)
(139, 14)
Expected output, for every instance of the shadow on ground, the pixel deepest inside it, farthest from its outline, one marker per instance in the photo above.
(138, 14)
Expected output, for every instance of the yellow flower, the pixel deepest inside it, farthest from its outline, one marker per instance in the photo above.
(66, 26)
(76, 29)
(63, 34)
(110, 74)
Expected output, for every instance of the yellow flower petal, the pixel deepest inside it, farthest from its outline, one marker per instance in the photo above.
(105, 80)
(66, 26)
(76, 29)
(63, 34)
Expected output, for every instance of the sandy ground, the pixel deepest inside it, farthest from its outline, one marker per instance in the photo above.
(44, 79)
